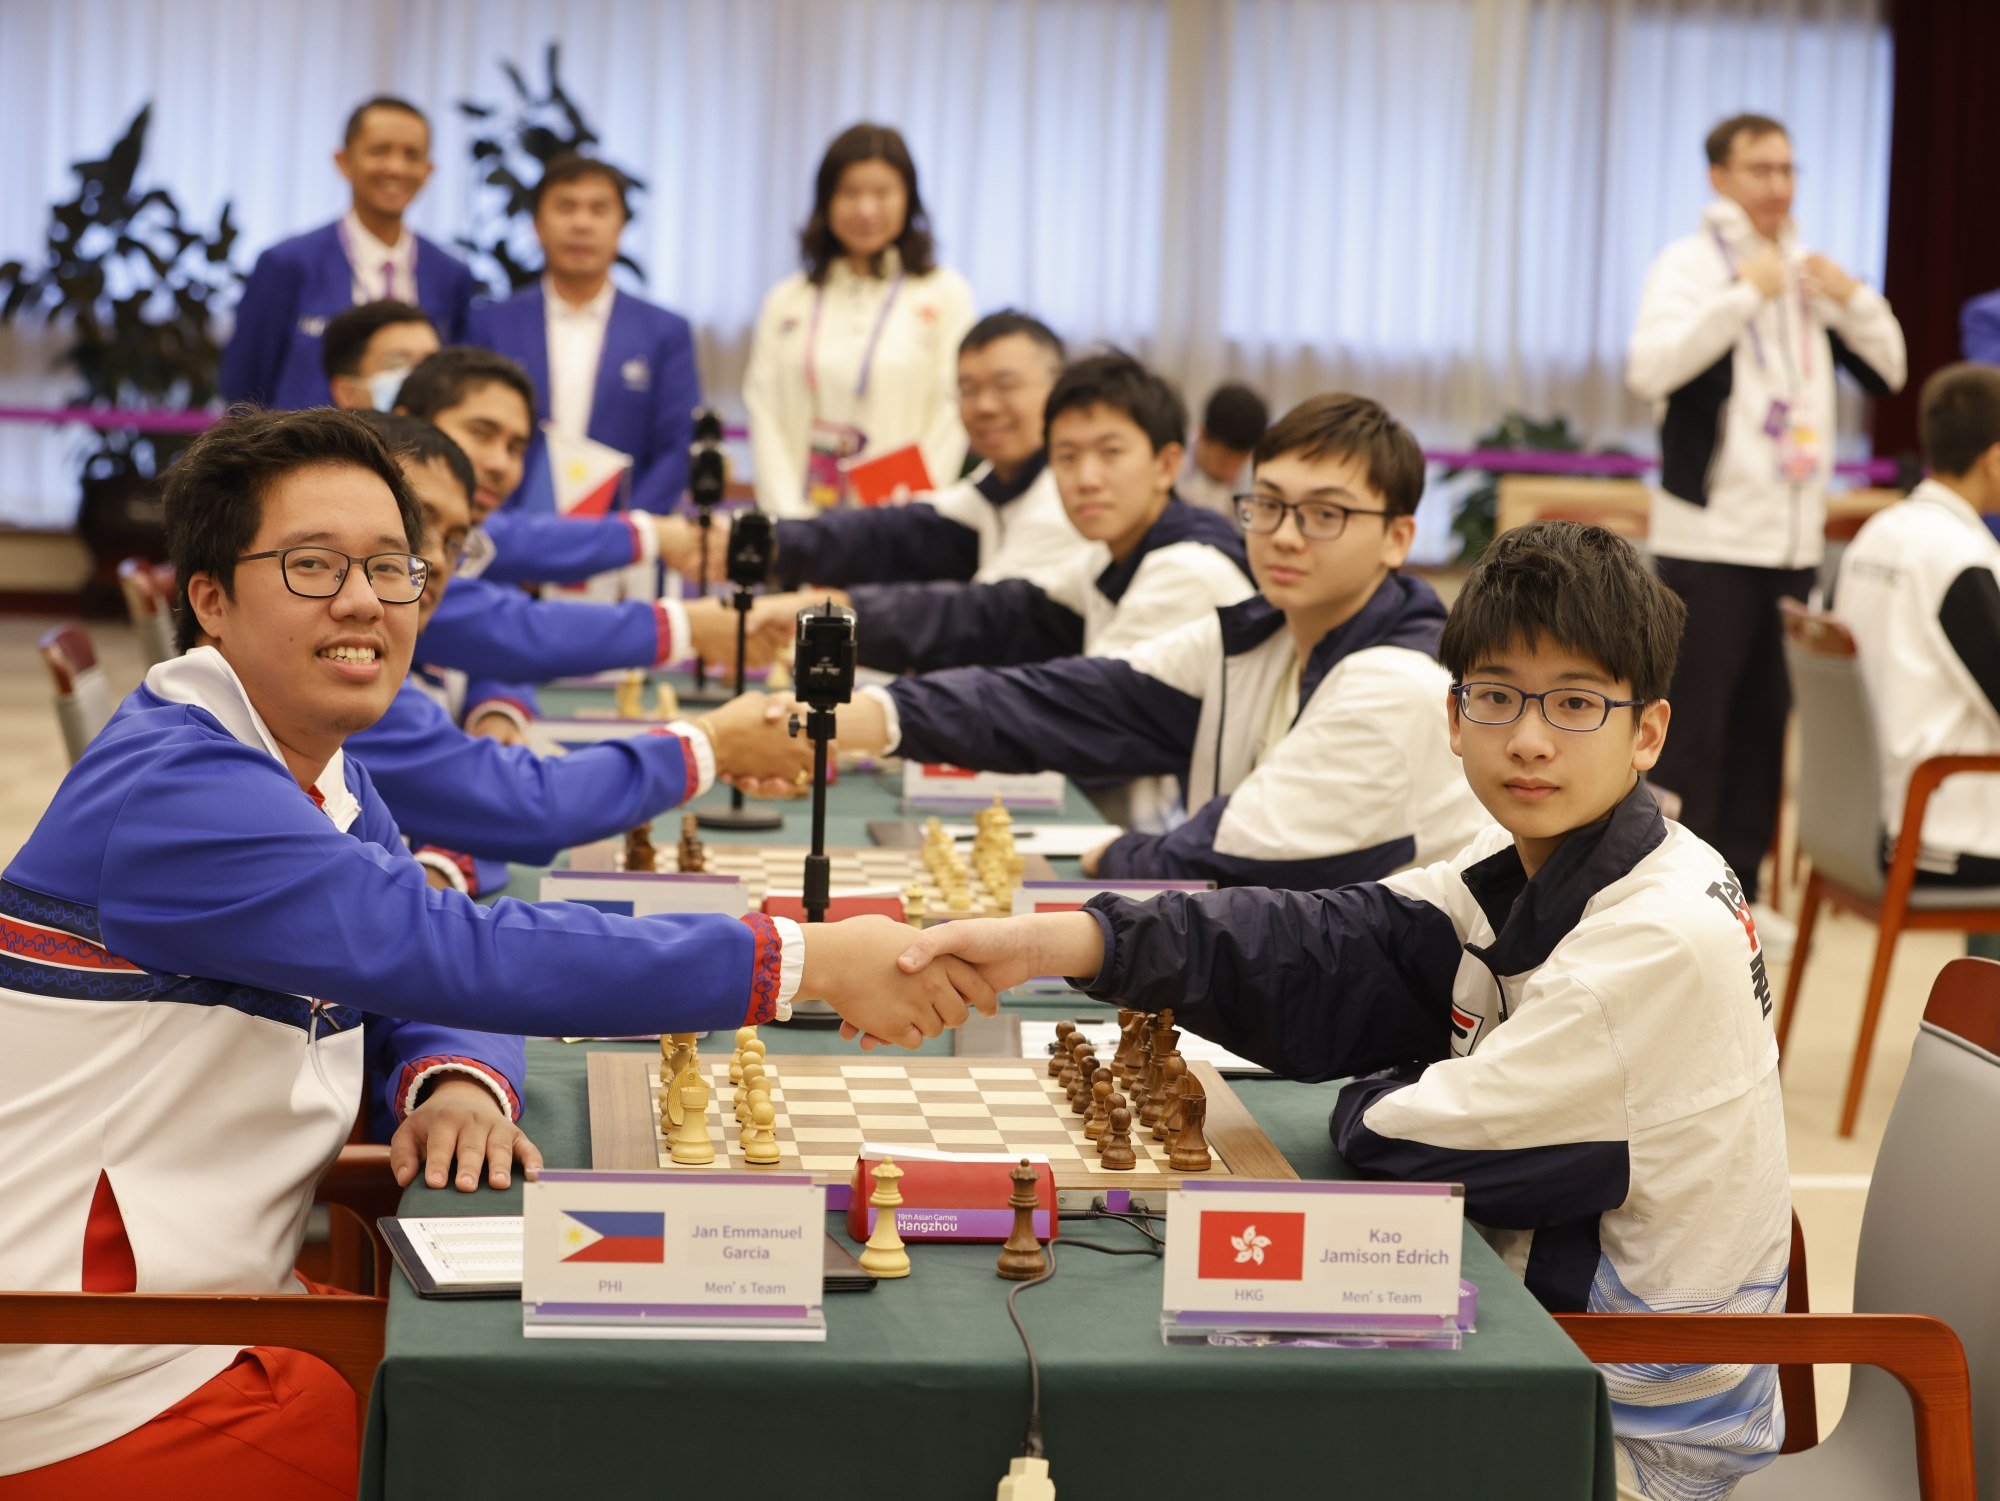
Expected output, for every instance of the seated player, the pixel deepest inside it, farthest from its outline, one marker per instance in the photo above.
(369, 350)
(1303, 722)
(1115, 441)
(1002, 521)
(1920, 588)
(485, 404)
(1231, 423)
(468, 805)
(216, 909)
(1571, 1018)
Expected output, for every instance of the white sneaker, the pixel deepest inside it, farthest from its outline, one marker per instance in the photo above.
(1778, 934)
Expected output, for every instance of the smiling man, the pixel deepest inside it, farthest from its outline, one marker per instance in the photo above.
(214, 912)
(1571, 1018)
(1302, 722)
(273, 357)
(607, 365)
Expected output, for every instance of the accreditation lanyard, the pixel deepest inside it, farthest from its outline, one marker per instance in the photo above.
(868, 351)
(1756, 338)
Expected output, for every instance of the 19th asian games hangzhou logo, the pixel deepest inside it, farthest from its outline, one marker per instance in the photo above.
(1262, 1246)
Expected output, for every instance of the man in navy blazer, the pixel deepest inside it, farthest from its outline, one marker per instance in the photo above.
(367, 254)
(607, 365)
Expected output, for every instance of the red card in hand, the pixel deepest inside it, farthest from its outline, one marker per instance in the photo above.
(889, 479)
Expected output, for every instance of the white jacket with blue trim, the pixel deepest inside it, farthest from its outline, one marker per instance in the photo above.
(1589, 1052)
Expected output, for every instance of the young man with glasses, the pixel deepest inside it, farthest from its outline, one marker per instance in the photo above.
(213, 919)
(1738, 333)
(1571, 1018)
(1302, 723)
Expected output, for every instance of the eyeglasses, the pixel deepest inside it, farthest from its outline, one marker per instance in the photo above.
(1580, 710)
(398, 578)
(1318, 520)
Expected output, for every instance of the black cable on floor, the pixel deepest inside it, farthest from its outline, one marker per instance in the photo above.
(1031, 1443)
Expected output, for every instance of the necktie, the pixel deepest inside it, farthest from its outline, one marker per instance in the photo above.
(388, 278)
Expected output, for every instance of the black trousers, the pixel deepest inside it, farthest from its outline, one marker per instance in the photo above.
(1726, 739)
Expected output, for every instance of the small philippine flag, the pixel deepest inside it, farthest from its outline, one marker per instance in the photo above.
(628, 1236)
(1262, 1246)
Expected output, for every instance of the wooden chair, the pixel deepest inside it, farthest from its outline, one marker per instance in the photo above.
(149, 600)
(83, 696)
(1927, 1305)
(1840, 828)
(346, 1331)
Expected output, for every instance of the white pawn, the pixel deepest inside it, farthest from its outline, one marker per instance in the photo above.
(744, 1037)
(760, 1142)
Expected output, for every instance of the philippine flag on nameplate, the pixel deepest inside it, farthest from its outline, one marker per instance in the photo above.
(622, 1235)
(1259, 1245)
(586, 474)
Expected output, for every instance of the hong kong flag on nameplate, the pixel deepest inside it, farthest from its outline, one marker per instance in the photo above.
(1257, 1245)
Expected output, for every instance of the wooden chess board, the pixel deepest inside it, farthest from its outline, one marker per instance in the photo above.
(828, 1105)
(781, 867)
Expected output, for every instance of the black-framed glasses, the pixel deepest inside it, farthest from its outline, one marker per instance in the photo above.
(1579, 710)
(1318, 520)
(398, 578)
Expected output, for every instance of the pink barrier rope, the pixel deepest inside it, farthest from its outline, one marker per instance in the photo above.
(1509, 460)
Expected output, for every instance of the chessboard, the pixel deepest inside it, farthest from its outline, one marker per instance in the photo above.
(827, 1106)
(781, 867)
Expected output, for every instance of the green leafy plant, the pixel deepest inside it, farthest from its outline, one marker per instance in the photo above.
(1478, 514)
(134, 284)
(510, 151)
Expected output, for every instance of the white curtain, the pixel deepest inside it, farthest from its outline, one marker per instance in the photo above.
(1448, 204)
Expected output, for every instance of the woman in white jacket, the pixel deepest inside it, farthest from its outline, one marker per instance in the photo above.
(856, 352)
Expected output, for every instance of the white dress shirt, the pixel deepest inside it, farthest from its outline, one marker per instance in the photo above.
(576, 346)
(379, 270)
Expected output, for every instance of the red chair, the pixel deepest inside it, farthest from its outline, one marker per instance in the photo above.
(149, 600)
(83, 697)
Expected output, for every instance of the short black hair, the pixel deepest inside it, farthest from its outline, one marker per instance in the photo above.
(819, 247)
(1959, 416)
(1235, 417)
(349, 330)
(1115, 379)
(573, 166)
(416, 441)
(1339, 425)
(1722, 139)
(1008, 321)
(1583, 588)
(215, 491)
(380, 101)
(444, 379)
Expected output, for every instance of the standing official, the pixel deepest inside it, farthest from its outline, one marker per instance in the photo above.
(856, 353)
(608, 365)
(367, 254)
(1739, 330)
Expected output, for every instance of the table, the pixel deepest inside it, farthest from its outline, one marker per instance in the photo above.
(921, 1388)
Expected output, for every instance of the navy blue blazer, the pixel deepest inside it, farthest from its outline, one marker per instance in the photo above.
(273, 357)
(647, 390)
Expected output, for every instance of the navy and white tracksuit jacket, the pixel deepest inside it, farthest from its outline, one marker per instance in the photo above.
(1189, 563)
(980, 530)
(1363, 781)
(470, 804)
(189, 951)
(1589, 1052)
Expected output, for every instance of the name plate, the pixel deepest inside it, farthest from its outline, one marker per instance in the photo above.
(640, 893)
(673, 1256)
(952, 789)
(1314, 1263)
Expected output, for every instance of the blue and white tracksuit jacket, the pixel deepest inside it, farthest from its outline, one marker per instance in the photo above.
(1589, 1052)
(1189, 563)
(1362, 783)
(496, 632)
(470, 804)
(980, 530)
(189, 951)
